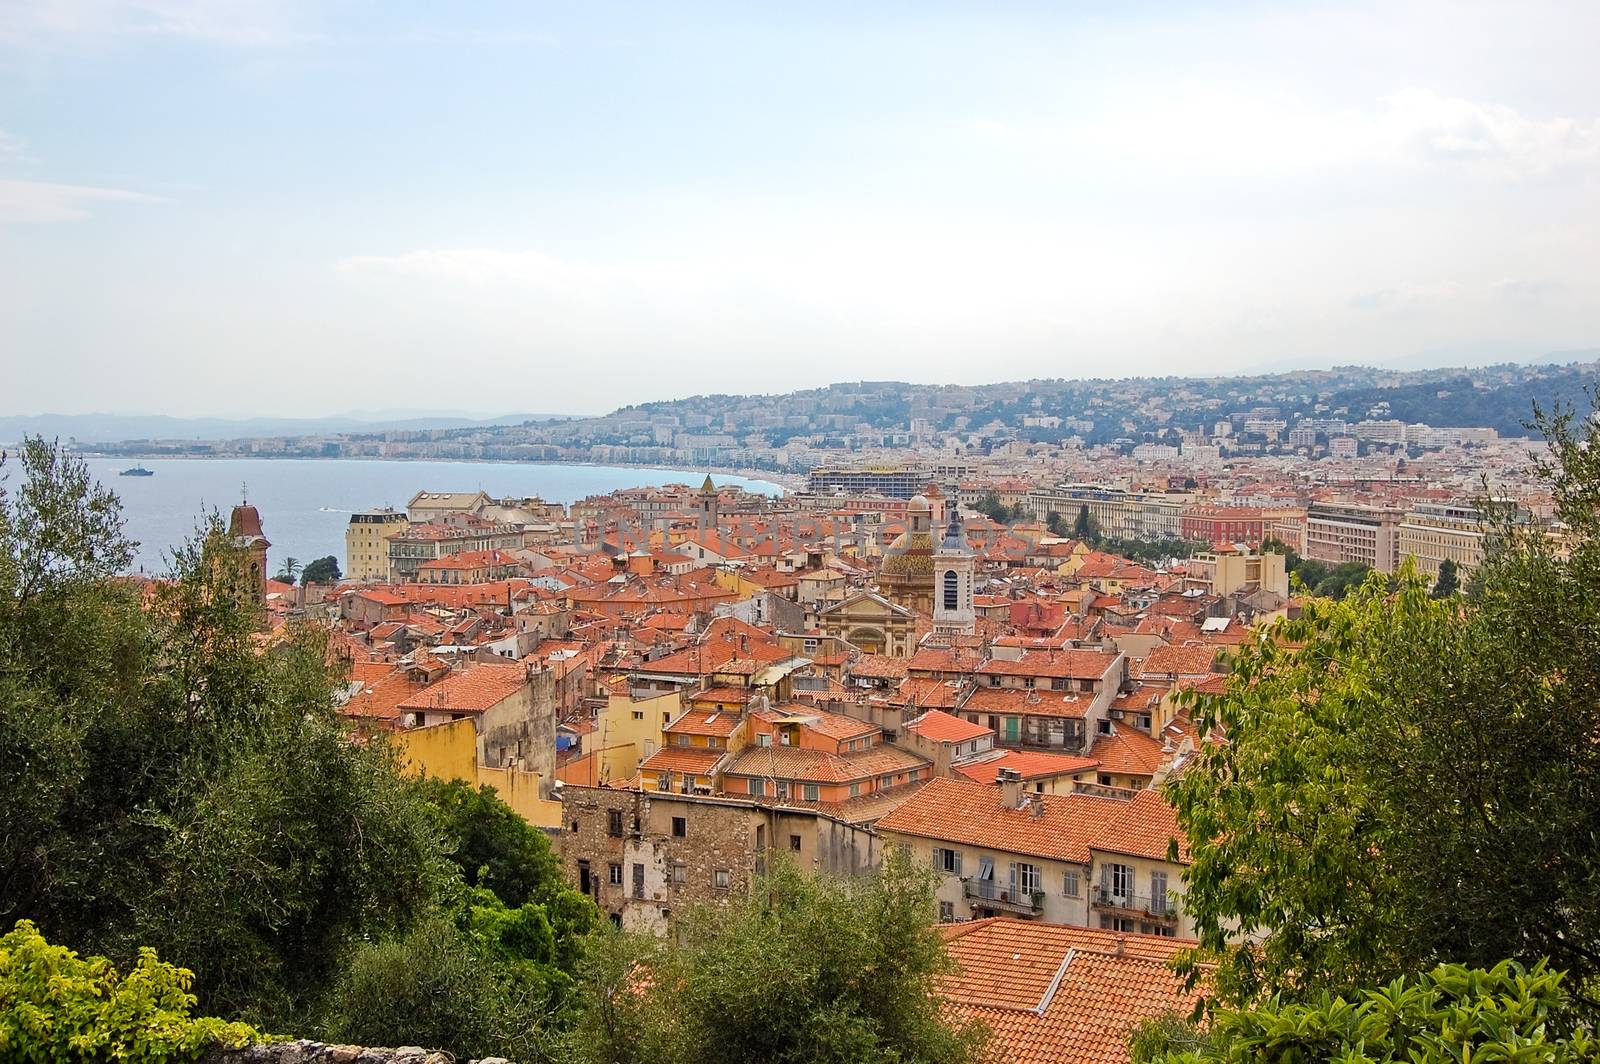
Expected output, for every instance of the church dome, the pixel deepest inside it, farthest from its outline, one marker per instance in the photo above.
(911, 554)
(920, 502)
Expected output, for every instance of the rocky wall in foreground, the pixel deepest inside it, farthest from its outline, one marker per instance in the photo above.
(304, 1052)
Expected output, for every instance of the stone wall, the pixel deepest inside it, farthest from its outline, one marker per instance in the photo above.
(304, 1052)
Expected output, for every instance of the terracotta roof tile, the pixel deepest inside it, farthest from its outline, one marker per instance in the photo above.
(963, 812)
(1053, 994)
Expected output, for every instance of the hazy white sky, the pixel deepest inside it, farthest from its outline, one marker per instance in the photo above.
(242, 207)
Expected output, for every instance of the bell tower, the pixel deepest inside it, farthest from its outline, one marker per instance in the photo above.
(953, 566)
(244, 528)
(708, 505)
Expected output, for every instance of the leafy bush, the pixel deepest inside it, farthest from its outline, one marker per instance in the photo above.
(441, 989)
(804, 968)
(1453, 1013)
(56, 1005)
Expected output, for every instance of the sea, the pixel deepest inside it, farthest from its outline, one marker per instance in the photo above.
(306, 503)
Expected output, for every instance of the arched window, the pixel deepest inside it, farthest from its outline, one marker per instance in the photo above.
(952, 590)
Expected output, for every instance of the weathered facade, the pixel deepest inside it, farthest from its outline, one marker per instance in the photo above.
(642, 855)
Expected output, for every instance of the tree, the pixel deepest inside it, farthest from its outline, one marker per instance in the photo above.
(803, 968)
(290, 570)
(991, 507)
(1449, 1013)
(56, 1005)
(496, 849)
(1448, 582)
(1056, 525)
(324, 570)
(1084, 527)
(1407, 780)
(164, 783)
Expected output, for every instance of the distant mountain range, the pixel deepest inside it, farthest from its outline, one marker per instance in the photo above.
(112, 428)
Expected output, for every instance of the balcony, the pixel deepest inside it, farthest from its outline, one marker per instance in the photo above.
(991, 895)
(1131, 904)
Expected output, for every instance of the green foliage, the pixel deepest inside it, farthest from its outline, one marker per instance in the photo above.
(55, 1005)
(492, 845)
(1318, 578)
(1056, 525)
(805, 968)
(991, 507)
(165, 783)
(491, 970)
(324, 570)
(1156, 1037)
(1085, 527)
(1409, 781)
(438, 988)
(290, 570)
(1452, 1013)
(1448, 581)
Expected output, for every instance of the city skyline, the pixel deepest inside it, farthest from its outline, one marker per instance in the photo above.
(260, 207)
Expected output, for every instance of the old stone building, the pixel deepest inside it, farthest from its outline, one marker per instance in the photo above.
(642, 855)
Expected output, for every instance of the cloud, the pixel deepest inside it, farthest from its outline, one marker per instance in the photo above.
(42, 201)
(1210, 129)
(10, 147)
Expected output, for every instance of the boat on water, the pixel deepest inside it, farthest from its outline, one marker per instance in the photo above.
(137, 471)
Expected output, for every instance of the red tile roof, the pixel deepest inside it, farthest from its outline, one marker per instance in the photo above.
(472, 690)
(941, 727)
(1052, 994)
(974, 815)
(1143, 828)
(1069, 664)
(1029, 764)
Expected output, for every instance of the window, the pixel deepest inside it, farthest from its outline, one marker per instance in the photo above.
(1028, 682)
(947, 861)
(757, 787)
(616, 875)
(794, 843)
(614, 824)
(780, 788)
(1105, 781)
(1158, 892)
(638, 714)
(812, 792)
(885, 782)
(764, 739)
(1059, 683)
(1116, 882)
(680, 873)
(1069, 884)
(638, 880)
(680, 827)
(855, 790)
(1116, 923)
(574, 827)
(947, 912)
(952, 590)
(722, 879)
(1029, 882)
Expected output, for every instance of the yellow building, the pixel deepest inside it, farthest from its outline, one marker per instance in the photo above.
(1430, 534)
(449, 751)
(366, 543)
(628, 731)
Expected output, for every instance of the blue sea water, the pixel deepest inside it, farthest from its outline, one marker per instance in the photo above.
(305, 504)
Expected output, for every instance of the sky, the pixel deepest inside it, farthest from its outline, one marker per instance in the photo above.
(248, 207)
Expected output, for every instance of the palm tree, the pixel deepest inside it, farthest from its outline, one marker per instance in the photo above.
(290, 570)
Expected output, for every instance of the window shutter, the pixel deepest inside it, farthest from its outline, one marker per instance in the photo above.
(1105, 879)
(1013, 876)
(958, 862)
(938, 862)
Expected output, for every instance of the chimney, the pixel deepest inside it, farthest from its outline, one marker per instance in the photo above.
(1010, 781)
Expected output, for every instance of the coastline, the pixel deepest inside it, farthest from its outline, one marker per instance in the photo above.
(785, 482)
